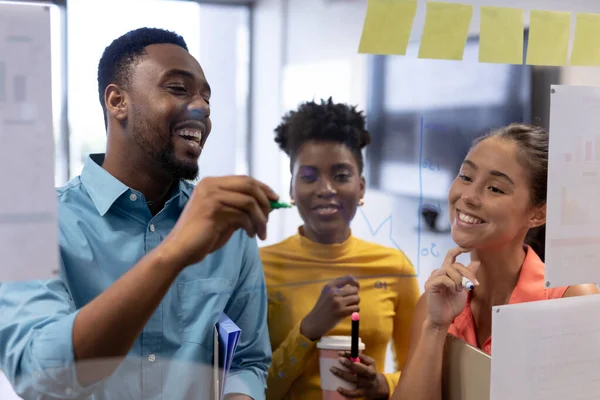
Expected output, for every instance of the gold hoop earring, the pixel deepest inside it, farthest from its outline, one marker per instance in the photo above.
(361, 202)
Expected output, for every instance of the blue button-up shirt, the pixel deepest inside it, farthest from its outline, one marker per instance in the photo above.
(105, 229)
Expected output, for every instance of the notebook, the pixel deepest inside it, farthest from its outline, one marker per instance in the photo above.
(466, 371)
(226, 337)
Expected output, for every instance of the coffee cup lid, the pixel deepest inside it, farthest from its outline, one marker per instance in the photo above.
(338, 343)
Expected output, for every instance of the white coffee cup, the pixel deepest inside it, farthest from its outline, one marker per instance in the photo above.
(329, 348)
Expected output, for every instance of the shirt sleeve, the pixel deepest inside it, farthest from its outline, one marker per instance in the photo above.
(289, 362)
(408, 296)
(248, 309)
(36, 345)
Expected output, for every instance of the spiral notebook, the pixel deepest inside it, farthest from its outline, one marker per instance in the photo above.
(226, 338)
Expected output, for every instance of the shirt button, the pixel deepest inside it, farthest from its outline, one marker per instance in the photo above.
(293, 360)
(487, 348)
(304, 345)
(151, 358)
(281, 374)
(133, 197)
(152, 228)
(68, 391)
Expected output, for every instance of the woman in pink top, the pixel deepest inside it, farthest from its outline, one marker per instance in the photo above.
(497, 197)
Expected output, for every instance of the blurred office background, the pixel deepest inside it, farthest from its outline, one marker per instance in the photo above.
(263, 57)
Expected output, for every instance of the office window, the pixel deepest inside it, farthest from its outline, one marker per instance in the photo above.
(217, 36)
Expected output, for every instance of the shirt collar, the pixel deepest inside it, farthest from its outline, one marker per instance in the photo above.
(186, 188)
(104, 189)
(530, 285)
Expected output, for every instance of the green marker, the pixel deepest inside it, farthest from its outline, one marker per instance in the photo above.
(277, 205)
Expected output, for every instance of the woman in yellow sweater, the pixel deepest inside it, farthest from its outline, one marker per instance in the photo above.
(316, 278)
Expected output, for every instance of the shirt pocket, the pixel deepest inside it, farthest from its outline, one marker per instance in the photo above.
(202, 301)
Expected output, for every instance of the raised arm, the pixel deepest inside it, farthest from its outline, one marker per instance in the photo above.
(127, 304)
(422, 373)
(217, 208)
(444, 300)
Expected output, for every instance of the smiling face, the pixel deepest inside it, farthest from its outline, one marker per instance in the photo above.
(490, 199)
(168, 114)
(326, 186)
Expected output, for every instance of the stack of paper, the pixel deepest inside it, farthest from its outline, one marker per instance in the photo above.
(546, 350)
(226, 337)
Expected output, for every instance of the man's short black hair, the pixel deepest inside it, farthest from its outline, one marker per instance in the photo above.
(325, 121)
(122, 54)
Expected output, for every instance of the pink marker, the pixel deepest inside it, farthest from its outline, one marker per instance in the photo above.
(354, 343)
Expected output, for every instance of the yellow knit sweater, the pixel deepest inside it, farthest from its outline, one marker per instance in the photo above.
(296, 270)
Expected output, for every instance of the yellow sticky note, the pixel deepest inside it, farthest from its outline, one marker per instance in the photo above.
(549, 33)
(445, 32)
(586, 47)
(501, 35)
(387, 26)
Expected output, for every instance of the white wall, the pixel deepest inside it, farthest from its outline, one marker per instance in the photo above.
(221, 65)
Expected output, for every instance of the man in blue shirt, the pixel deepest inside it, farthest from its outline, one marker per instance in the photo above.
(149, 262)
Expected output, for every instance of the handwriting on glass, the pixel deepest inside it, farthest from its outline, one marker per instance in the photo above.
(431, 165)
(430, 251)
(381, 285)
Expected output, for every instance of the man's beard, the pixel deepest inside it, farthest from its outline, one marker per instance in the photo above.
(163, 154)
